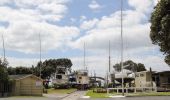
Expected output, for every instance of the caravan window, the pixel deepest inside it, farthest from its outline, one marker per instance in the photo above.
(141, 75)
(58, 76)
(80, 77)
(168, 80)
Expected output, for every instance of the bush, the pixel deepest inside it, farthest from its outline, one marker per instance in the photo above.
(3, 74)
(61, 86)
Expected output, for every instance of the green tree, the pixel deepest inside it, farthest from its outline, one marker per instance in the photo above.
(160, 27)
(130, 65)
(19, 70)
(48, 67)
(3, 71)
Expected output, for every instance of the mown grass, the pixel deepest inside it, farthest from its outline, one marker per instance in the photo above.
(96, 95)
(105, 95)
(149, 94)
(60, 91)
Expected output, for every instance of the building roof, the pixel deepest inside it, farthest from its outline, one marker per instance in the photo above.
(19, 77)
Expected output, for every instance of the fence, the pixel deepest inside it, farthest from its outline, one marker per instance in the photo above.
(135, 89)
(5, 89)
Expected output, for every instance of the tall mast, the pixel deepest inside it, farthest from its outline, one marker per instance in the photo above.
(84, 56)
(122, 46)
(109, 59)
(40, 52)
(3, 44)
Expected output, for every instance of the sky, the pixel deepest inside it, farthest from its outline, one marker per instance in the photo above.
(65, 25)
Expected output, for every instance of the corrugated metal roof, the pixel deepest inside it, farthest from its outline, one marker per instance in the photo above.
(16, 77)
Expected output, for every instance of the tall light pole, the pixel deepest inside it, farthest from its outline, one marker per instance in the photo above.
(40, 52)
(122, 46)
(108, 73)
(109, 58)
(3, 44)
(84, 56)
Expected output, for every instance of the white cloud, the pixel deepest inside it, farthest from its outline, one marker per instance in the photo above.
(23, 36)
(89, 24)
(32, 17)
(108, 28)
(144, 6)
(82, 18)
(39, 9)
(94, 5)
(53, 8)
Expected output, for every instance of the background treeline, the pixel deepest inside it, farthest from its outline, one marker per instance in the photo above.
(47, 68)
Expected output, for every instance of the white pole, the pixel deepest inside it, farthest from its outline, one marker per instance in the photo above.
(84, 56)
(122, 46)
(3, 43)
(40, 52)
(109, 75)
(109, 59)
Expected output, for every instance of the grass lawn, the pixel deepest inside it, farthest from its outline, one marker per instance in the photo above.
(26, 97)
(96, 95)
(150, 94)
(105, 95)
(61, 91)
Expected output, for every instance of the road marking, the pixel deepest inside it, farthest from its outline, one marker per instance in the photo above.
(85, 97)
(117, 96)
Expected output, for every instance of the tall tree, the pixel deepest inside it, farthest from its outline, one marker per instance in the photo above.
(3, 71)
(50, 66)
(130, 65)
(160, 27)
(19, 70)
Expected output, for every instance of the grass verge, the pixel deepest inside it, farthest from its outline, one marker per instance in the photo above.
(60, 91)
(149, 94)
(105, 95)
(96, 95)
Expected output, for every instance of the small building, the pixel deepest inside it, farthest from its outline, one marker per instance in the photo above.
(26, 85)
(162, 80)
(143, 79)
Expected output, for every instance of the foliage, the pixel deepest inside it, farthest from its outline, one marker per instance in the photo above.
(48, 67)
(160, 27)
(19, 70)
(96, 95)
(61, 91)
(61, 86)
(130, 65)
(3, 71)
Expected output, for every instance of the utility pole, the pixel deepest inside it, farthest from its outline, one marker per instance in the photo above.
(122, 46)
(109, 59)
(84, 56)
(3, 44)
(40, 52)
(108, 74)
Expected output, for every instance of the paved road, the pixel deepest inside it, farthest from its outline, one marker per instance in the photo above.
(75, 96)
(28, 98)
(136, 98)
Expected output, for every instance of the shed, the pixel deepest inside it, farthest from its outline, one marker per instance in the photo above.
(26, 85)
